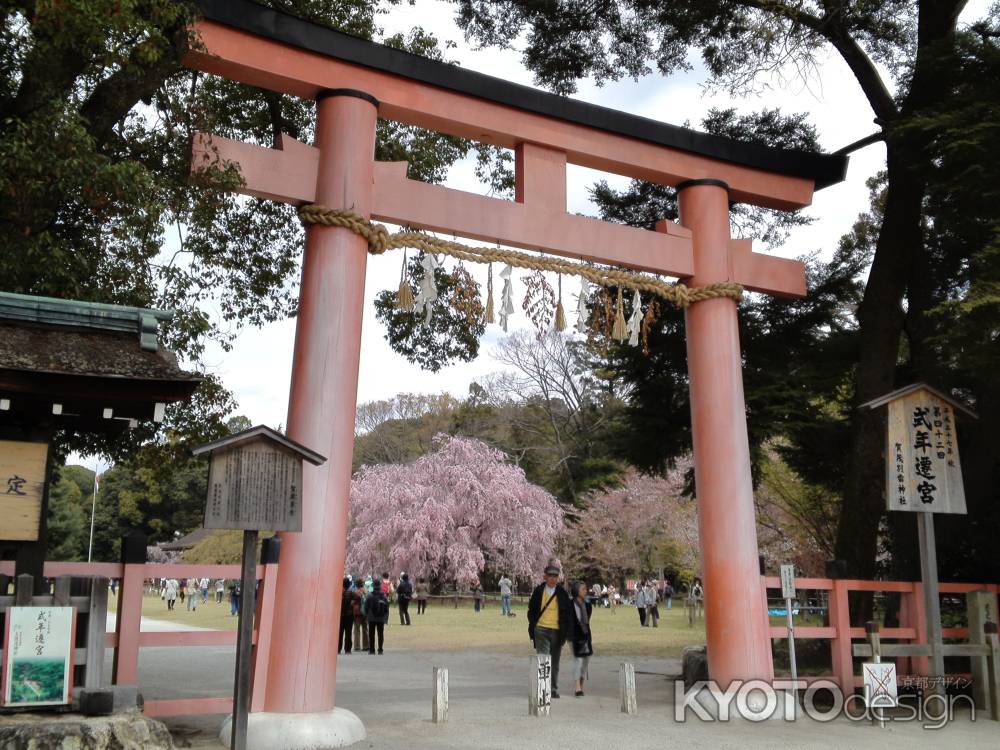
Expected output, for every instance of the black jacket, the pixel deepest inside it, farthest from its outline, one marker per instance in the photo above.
(405, 591)
(582, 643)
(565, 611)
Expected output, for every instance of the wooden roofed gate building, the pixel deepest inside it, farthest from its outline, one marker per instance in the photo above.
(68, 367)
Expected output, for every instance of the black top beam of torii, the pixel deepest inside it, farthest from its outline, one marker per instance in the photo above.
(823, 169)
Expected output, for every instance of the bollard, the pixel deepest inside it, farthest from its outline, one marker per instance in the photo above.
(875, 641)
(977, 606)
(540, 693)
(993, 668)
(439, 707)
(626, 688)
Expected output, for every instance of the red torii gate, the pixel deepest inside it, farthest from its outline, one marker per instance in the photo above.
(354, 82)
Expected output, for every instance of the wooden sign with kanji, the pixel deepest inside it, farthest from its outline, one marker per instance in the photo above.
(255, 481)
(923, 470)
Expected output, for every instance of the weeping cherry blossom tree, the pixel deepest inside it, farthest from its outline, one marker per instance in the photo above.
(638, 529)
(450, 515)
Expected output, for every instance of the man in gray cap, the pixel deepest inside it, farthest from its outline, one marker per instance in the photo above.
(549, 620)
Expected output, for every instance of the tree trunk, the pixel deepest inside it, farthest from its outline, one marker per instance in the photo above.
(881, 318)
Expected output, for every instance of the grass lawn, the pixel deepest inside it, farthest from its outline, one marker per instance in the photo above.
(444, 628)
(208, 615)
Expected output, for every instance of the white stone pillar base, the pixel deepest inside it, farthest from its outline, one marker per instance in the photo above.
(315, 731)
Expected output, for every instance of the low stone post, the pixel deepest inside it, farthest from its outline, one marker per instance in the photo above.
(993, 668)
(439, 706)
(626, 688)
(978, 605)
(540, 695)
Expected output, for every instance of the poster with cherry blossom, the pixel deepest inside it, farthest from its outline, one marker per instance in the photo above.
(38, 656)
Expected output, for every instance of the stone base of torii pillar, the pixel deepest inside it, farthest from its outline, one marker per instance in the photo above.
(324, 729)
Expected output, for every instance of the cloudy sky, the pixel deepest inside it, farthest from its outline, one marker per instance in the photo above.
(257, 368)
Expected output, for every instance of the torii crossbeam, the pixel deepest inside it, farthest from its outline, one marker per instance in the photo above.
(354, 82)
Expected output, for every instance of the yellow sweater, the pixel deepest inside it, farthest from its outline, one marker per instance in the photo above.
(550, 617)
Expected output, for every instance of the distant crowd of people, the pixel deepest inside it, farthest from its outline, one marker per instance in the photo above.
(366, 606)
(192, 591)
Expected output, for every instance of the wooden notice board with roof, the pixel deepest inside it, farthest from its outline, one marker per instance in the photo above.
(923, 469)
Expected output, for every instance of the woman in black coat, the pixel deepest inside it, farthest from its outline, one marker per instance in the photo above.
(580, 636)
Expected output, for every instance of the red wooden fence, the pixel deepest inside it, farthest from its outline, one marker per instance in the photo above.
(912, 621)
(128, 637)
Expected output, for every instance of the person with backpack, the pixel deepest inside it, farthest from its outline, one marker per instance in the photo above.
(549, 613)
(668, 595)
(376, 611)
(404, 592)
(344, 641)
(360, 626)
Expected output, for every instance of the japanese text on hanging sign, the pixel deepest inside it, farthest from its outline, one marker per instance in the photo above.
(923, 471)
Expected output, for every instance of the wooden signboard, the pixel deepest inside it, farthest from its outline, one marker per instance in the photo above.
(256, 485)
(22, 487)
(924, 475)
(923, 471)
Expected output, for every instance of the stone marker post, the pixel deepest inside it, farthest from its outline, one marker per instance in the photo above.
(626, 687)
(439, 706)
(978, 606)
(540, 696)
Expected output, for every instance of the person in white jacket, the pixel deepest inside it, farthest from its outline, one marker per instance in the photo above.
(170, 587)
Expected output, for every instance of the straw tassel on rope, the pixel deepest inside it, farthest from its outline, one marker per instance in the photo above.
(560, 321)
(488, 314)
(619, 332)
(404, 297)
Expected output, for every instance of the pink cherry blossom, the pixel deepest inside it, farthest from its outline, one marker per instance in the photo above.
(450, 515)
(637, 529)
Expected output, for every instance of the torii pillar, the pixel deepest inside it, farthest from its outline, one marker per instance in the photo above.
(299, 707)
(736, 620)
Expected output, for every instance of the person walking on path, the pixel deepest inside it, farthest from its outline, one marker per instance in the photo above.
(640, 603)
(360, 627)
(423, 591)
(580, 636)
(203, 585)
(506, 586)
(404, 592)
(376, 611)
(652, 612)
(344, 640)
(668, 595)
(192, 594)
(170, 592)
(613, 599)
(477, 597)
(220, 590)
(234, 598)
(549, 613)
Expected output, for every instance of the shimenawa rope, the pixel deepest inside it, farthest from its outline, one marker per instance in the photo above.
(379, 240)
